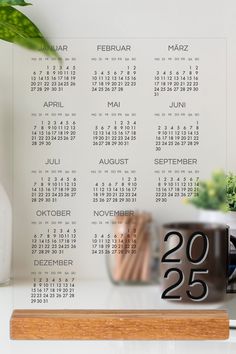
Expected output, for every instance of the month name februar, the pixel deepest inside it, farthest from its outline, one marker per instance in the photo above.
(113, 48)
(178, 47)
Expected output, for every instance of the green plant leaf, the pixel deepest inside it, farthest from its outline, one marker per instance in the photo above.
(14, 3)
(212, 194)
(16, 28)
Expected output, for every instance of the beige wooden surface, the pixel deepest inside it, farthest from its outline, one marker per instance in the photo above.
(119, 324)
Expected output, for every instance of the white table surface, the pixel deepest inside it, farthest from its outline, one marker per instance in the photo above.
(107, 296)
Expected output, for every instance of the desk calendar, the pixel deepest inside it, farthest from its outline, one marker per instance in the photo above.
(119, 125)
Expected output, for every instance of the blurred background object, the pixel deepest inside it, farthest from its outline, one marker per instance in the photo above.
(134, 256)
(16, 28)
(5, 237)
(211, 194)
(216, 199)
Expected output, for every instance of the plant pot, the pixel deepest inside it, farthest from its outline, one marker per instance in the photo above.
(5, 237)
(229, 218)
(219, 217)
(231, 221)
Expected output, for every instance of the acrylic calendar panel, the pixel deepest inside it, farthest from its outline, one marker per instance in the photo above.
(122, 125)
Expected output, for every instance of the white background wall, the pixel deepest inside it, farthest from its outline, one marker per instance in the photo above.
(5, 116)
(126, 18)
(123, 18)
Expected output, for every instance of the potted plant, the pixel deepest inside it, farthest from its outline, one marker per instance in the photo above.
(17, 28)
(216, 199)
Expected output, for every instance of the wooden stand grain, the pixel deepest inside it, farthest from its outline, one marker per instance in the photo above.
(119, 324)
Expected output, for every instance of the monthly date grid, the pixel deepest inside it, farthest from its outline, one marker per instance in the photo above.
(53, 77)
(183, 184)
(116, 132)
(114, 243)
(119, 188)
(115, 75)
(54, 239)
(169, 79)
(51, 286)
(177, 135)
(50, 128)
(50, 186)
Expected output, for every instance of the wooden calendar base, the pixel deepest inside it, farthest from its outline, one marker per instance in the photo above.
(119, 324)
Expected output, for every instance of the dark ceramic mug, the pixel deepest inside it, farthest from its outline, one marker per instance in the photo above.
(195, 259)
